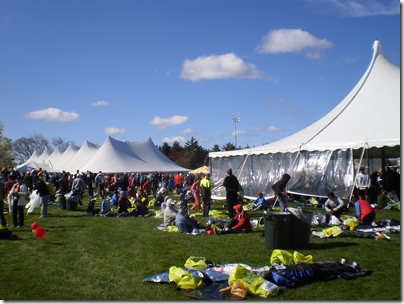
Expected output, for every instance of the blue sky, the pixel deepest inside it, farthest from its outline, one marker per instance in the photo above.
(173, 69)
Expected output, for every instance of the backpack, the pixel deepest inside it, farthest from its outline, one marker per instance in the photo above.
(50, 188)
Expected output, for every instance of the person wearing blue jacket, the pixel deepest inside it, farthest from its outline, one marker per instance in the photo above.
(260, 203)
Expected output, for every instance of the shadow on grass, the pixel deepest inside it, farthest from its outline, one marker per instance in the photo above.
(330, 245)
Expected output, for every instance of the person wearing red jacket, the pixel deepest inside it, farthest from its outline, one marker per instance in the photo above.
(239, 224)
(364, 211)
(146, 187)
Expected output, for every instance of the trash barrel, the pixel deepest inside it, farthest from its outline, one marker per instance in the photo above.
(277, 230)
(300, 230)
(62, 202)
(71, 205)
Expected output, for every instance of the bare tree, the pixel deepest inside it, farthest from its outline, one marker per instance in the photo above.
(6, 150)
(25, 146)
(58, 141)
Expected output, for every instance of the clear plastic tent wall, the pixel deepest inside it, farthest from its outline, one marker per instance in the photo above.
(313, 173)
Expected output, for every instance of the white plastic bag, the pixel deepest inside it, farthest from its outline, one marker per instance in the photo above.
(34, 201)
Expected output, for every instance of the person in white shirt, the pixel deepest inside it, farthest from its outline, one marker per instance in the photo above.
(362, 182)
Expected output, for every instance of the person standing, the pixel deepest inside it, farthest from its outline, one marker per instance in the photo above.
(280, 190)
(79, 185)
(196, 193)
(44, 194)
(362, 183)
(19, 191)
(206, 193)
(177, 181)
(232, 185)
(3, 221)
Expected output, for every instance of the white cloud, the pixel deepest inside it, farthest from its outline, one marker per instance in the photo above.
(171, 140)
(276, 99)
(221, 67)
(363, 8)
(266, 129)
(206, 139)
(188, 131)
(100, 103)
(52, 114)
(162, 123)
(239, 132)
(293, 40)
(111, 130)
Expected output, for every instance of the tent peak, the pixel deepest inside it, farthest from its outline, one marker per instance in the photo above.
(377, 47)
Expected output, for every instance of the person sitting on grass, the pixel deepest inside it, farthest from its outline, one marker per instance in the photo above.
(140, 210)
(364, 211)
(90, 207)
(260, 203)
(184, 201)
(115, 198)
(106, 205)
(239, 224)
(334, 205)
(382, 200)
(123, 205)
(159, 199)
(182, 222)
(170, 212)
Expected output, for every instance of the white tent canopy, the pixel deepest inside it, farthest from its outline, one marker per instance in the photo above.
(34, 156)
(43, 158)
(345, 126)
(67, 156)
(29, 165)
(82, 156)
(320, 158)
(56, 154)
(116, 156)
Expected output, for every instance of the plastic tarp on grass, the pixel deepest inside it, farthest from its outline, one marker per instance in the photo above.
(324, 156)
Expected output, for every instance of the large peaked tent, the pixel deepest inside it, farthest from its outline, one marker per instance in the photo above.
(29, 165)
(69, 153)
(321, 157)
(54, 157)
(82, 156)
(116, 156)
(43, 158)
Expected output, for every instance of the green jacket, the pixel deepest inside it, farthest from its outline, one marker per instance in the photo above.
(206, 187)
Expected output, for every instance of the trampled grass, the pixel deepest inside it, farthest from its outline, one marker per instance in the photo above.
(99, 258)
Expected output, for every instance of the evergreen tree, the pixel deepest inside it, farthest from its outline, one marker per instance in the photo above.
(228, 147)
(165, 149)
(215, 148)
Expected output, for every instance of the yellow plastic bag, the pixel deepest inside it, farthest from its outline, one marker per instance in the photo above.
(172, 229)
(351, 222)
(333, 231)
(300, 258)
(281, 256)
(152, 203)
(184, 279)
(196, 263)
(255, 284)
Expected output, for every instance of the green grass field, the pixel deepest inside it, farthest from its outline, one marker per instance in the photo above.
(100, 258)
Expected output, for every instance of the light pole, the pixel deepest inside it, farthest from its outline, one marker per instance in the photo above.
(236, 120)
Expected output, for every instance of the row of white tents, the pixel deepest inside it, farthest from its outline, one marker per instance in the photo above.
(362, 130)
(113, 156)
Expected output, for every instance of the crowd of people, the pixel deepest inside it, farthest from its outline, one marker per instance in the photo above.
(128, 195)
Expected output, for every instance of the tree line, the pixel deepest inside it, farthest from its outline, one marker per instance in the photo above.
(192, 155)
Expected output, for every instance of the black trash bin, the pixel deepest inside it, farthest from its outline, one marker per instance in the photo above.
(300, 229)
(277, 230)
(62, 202)
(71, 205)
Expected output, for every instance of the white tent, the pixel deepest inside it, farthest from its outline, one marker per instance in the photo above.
(34, 156)
(367, 119)
(56, 154)
(69, 153)
(29, 165)
(82, 156)
(43, 158)
(116, 156)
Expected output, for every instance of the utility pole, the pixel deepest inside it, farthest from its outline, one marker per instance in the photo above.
(235, 121)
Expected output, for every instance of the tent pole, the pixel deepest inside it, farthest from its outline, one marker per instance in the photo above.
(384, 184)
(356, 175)
(243, 166)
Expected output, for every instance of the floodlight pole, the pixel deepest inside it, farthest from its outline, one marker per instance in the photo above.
(235, 121)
